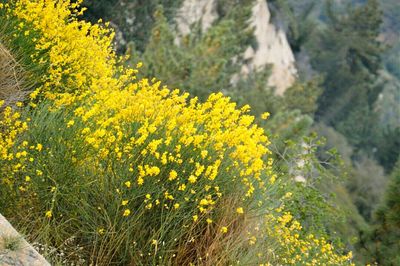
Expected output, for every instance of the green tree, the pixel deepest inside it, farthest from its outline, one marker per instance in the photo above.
(133, 19)
(387, 234)
(201, 62)
(348, 52)
(299, 22)
(304, 96)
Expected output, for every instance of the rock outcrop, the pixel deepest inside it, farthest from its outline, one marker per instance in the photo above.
(193, 11)
(14, 250)
(273, 47)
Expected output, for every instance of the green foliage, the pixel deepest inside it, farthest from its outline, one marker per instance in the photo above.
(310, 180)
(299, 24)
(348, 54)
(366, 186)
(309, 176)
(392, 60)
(347, 51)
(252, 90)
(202, 62)
(304, 96)
(133, 18)
(387, 233)
(392, 16)
(290, 126)
(23, 68)
(388, 147)
(334, 140)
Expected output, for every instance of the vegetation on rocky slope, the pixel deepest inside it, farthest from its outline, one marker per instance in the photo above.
(101, 166)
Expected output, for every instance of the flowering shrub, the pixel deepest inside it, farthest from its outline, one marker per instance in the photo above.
(294, 247)
(132, 171)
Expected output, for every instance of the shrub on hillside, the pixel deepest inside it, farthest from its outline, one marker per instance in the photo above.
(129, 171)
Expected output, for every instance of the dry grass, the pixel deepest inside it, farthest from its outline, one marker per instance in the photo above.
(211, 247)
(11, 78)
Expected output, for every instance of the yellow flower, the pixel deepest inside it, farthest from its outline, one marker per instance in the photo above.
(127, 212)
(203, 202)
(192, 179)
(124, 202)
(288, 195)
(265, 115)
(195, 218)
(128, 184)
(224, 229)
(272, 179)
(70, 123)
(176, 205)
(101, 231)
(209, 221)
(172, 175)
(49, 214)
(240, 210)
(27, 178)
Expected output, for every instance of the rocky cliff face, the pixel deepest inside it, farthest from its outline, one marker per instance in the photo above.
(273, 47)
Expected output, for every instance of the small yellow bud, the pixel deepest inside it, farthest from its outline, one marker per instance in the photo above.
(224, 229)
(265, 115)
(49, 214)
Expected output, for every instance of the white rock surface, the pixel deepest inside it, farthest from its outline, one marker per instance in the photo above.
(193, 11)
(273, 46)
(22, 254)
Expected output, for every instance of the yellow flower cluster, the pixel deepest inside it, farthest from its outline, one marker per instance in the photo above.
(170, 130)
(11, 126)
(295, 248)
(79, 54)
(14, 154)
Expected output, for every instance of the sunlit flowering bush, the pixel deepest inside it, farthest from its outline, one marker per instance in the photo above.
(295, 247)
(130, 170)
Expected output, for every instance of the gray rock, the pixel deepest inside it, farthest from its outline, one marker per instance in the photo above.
(14, 250)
